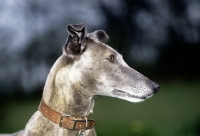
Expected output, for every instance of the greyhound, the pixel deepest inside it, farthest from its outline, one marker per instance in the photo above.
(87, 68)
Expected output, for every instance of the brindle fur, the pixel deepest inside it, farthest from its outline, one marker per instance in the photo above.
(83, 71)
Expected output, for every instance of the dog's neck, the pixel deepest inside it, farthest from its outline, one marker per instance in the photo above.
(62, 95)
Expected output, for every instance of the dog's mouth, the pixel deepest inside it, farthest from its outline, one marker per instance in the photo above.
(125, 94)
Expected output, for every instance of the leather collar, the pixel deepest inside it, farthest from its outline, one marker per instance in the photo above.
(66, 121)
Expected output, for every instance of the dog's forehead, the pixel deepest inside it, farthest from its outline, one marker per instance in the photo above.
(111, 51)
(97, 47)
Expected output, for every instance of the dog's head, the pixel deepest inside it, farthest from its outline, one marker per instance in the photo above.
(100, 70)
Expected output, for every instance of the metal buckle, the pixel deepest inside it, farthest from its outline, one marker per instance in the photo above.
(61, 119)
(86, 124)
(75, 121)
(74, 125)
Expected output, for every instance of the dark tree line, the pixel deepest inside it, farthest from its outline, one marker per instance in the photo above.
(158, 38)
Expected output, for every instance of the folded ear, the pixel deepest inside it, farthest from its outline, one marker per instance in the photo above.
(99, 35)
(74, 44)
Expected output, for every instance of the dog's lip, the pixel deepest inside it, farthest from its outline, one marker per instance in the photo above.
(129, 95)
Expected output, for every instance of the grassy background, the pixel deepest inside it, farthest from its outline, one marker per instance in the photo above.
(173, 111)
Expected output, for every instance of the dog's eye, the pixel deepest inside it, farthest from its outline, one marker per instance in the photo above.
(111, 58)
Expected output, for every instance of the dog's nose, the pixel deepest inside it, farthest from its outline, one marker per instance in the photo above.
(155, 87)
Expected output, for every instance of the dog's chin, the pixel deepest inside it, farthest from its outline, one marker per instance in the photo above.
(129, 97)
(134, 100)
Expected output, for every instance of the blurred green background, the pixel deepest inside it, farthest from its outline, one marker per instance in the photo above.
(159, 38)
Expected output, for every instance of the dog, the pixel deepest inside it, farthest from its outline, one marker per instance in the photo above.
(87, 68)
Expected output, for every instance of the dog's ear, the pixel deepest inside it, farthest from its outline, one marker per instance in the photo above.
(99, 35)
(74, 44)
